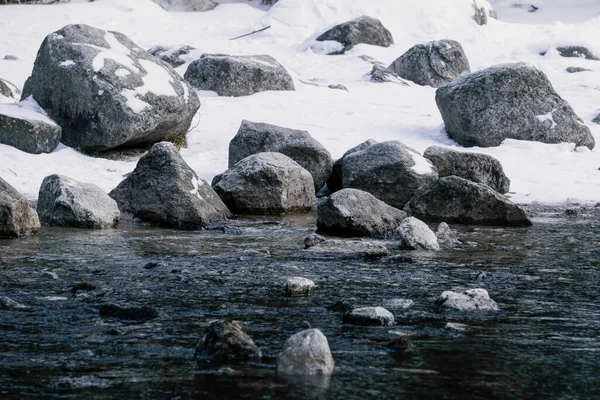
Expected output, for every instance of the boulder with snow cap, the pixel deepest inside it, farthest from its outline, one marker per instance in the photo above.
(364, 29)
(172, 55)
(508, 101)
(470, 300)
(9, 93)
(163, 190)
(17, 218)
(414, 234)
(335, 181)
(105, 91)
(238, 75)
(390, 171)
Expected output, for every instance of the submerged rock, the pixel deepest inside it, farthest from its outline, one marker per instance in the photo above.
(414, 234)
(298, 286)
(369, 316)
(306, 353)
(17, 218)
(225, 341)
(445, 237)
(344, 250)
(364, 29)
(143, 313)
(6, 303)
(472, 299)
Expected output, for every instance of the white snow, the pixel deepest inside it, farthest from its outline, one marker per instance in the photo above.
(67, 63)
(27, 109)
(422, 165)
(133, 101)
(157, 80)
(122, 72)
(338, 119)
(547, 117)
(195, 190)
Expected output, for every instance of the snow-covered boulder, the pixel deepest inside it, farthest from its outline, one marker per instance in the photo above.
(332, 249)
(266, 183)
(306, 353)
(390, 171)
(27, 127)
(577, 52)
(369, 316)
(17, 218)
(470, 300)
(445, 237)
(163, 190)
(63, 201)
(352, 212)
(300, 146)
(298, 286)
(381, 74)
(105, 91)
(226, 342)
(475, 167)
(187, 5)
(175, 56)
(9, 93)
(434, 64)
(508, 101)
(414, 234)
(238, 75)
(457, 200)
(364, 29)
(335, 181)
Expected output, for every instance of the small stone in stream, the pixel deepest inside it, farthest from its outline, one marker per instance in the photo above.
(470, 300)
(369, 316)
(7, 303)
(152, 265)
(306, 353)
(398, 303)
(445, 237)
(399, 260)
(144, 313)
(343, 306)
(82, 286)
(313, 240)
(224, 341)
(298, 286)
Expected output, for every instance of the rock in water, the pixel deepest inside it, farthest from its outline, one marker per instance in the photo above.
(9, 93)
(172, 55)
(369, 316)
(300, 146)
(364, 29)
(414, 234)
(352, 212)
(298, 286)
(165, 191)
(457, 200)
(434, 63)
(335, 181)
(105, 91)
(26, 126)
(17, 218)
(472, 299)
(266, 183)
(479, 168)
(445, 237)
(508, 101)
(306, 353)
(238, 75)
(224, 341)
(63, 201)
(343, 250)
(390, 171)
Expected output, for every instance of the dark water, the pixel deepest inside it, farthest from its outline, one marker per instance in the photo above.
(544, 343)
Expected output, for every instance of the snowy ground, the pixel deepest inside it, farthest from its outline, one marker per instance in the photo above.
(552, 174)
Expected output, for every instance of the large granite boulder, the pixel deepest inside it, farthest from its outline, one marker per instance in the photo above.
(266, 183)
(414, 234)
(474, 167)
(226, 342)
(175, 56)
(238, 75)
(390, 171)
(105, 91)
(17, 218)
(163, 190)
(306, 353)
(364, 29)
(27, 127)
(457, 200)
(63, 201)
(9, 93)
(335, 181)
(300, 146)
(508, 101)
(352, 212)
(432, 64)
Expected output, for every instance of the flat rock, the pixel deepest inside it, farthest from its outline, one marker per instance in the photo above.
(306, 353)
(344, 250)
(369, 316)
(364, 29)
(17, 218)
(470, 300)
(225, 342)
(414, 234)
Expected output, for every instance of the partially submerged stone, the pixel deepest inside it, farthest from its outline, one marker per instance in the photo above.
(306, 353)
(298, 286)
(470, 300)
(226, 342)
(369, 316)
(414, 234)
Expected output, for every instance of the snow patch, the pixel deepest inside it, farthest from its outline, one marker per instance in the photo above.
(27, 109)
(195, 190)
(122, 72)
(67, 63)
(422, 165)
(133, 101)
(547, 117)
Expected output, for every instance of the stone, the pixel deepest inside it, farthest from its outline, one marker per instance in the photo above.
(144, 313)
(163, 190)
(577, 52)
(457, 200)
(298, 286)
(300, 146)
(381, 74)
(332, 249)
(6, 303)
(470, 300)
(414, 234)
(475, 167)
(364, 29)
(63, 201)
(238, 75)
(335, 181)
(266, 184)
(27, 127)
(226, 342)
(596, 119)
(9, 93)
(17, 218)
(10, 57)
(175, 56)
(398, 304)
(508, 101)
(306, 353)
(390, 171)
(573, 70)
(187, 5)
(352, 212)
(107, 92)
(445, 237)
(313, 240)
(482, 12)
(432, 64)
(369, 316)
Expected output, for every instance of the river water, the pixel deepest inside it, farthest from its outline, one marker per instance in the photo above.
(543, 344)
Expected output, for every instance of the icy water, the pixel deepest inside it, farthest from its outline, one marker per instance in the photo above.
(543, 344)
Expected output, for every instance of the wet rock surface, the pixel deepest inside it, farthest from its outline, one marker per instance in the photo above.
(306, 353)
(17, 218)
(225, 341)
(369, 316)
(471, 299)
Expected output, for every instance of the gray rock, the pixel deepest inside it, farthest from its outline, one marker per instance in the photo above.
(335, 181)
(364, 29)
(6, 303)
(445, 237)
(27, 127)
(381, 74)
(225, 341)
(105, 91)
(576, 52)
(332, 249)
(352, 212)
(300, 146)
(479, 168)
(10, 57)
(9, 93)
(313, 240)
(508, 101)
(399, 304)
(266, 183)
(165, 191)
(573, 70)
(298, 286)
(17, 218)
(435, 63)
(481, 13)
(337, 86)
(457, 200)
(390, 171)
(416, 235)
(172, 55)
(470, 300)
(238, 75)
(596, 119)
(306, 353)
(63, 201)
(369, 316)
